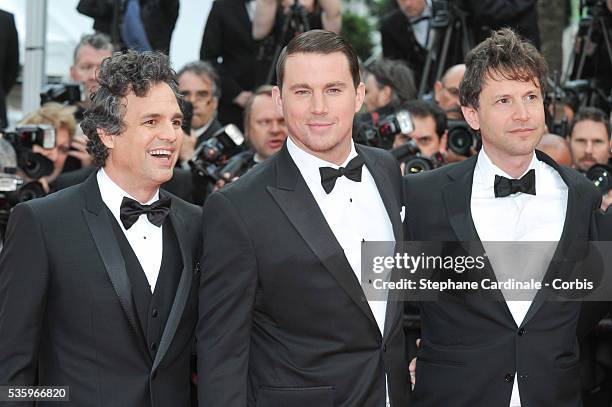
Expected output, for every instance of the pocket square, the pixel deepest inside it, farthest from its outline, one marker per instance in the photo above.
(403, 213)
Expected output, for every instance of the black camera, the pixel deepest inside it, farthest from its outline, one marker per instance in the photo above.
(461, 138)
(213, 154)
(601, 176)
(381, 133)
(34, 165)
(64, 93)
(409, 154)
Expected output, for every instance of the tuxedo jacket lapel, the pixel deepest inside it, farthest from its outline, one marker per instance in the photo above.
(392, 205)
(98, 220)
(457, 196)
(296, 201)
(183, 289)
(568, 235)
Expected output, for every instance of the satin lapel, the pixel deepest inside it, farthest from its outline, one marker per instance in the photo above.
(98, 220)
(457, 199)
(182, 291)
(568, 234)
(391, 200)
(296, 201)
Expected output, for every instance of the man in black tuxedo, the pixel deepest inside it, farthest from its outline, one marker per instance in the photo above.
(474, 351)
(229, 46)
(97, 281)
(283, 318)
(9, 60)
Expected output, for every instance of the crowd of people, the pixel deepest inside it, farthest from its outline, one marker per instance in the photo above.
(200, 238)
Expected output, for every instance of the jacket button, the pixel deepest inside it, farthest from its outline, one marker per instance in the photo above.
(154, 346)
(155, 313)
(521, 332)
(509, 377)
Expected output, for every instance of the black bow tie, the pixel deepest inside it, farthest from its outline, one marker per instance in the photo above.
(131, 210)
(526, 184)
(352, 171)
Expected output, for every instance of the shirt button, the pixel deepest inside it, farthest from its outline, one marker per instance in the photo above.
(350, 199)
(509, 377)
(144, 237)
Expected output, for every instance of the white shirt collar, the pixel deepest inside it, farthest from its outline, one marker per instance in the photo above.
(112, 194)
(309, 164)
(487, 170)
(200, 130)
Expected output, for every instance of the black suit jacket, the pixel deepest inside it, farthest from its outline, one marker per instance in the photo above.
(228, 35)
(283, 319)
(67, 314)
(9, 60)
(399, 42)
(471, 347)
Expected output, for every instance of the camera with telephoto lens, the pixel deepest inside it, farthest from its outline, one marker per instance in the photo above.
(381, 132)
(211, 156)
(461, 138)
(23, 139)
(414, 162)
(64, 93)
(601, 176)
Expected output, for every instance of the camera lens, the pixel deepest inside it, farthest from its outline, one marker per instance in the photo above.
(599, 174)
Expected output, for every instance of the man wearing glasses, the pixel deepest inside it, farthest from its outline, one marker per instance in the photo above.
(446, 91)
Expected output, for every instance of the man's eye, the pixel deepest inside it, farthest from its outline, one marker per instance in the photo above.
(177, 123)
(503, 101)
(150, 122)
(334, 90)
(532, 97)
(302, 92)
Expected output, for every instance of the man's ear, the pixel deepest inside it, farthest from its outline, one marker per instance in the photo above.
(278, 101)
(107, 139)
(470, 115)
(384, 95)
(437, 89)
(359, 96)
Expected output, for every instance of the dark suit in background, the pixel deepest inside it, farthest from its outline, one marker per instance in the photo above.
(76, 309)
(283, 318)
(471, 347)
(228, 36)
(9, 61)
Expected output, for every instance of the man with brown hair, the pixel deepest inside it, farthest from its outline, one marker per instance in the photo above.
(283, 318)
(509, 351)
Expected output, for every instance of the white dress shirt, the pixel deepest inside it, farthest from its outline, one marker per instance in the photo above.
(354, 212)
(518, 217)
(420, 28)
(145, 238)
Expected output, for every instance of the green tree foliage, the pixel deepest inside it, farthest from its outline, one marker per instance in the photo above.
(356, 30)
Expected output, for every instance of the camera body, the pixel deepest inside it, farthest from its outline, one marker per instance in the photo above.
(601, 176)
(64, 93)
(23, 139)
(380, 132)
(212, 155)
(462, 140)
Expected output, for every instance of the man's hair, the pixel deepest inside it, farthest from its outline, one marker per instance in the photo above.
(54, 114)
(204, 70)
(397, 76)
(119, 75)
(593, 114)
(503, 55)
(248, 107)
(98, 41)
(419, 108)
(318, 42)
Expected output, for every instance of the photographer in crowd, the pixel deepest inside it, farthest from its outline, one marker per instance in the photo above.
(590, 143)
(88, 56)
(405, 33)
(265, 131)
(388, 85)
(446, 92)
(276, 22)
(61, 118)
(199, 84)
(429, 128)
